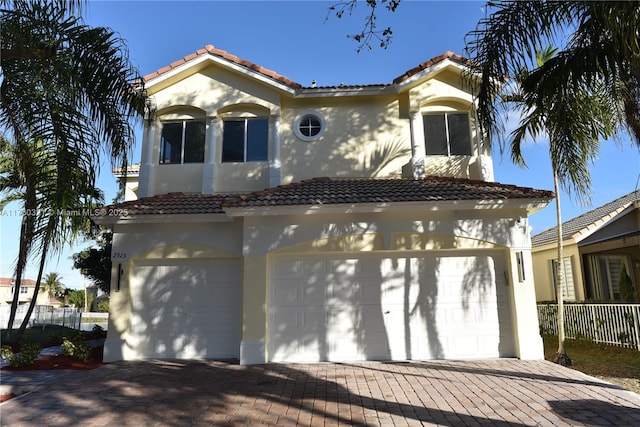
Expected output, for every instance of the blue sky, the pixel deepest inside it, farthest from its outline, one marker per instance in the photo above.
(295, 39)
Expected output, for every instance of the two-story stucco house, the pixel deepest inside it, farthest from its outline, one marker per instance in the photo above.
(279, 223)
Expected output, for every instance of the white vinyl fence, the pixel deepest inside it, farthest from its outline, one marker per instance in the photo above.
(614, 324)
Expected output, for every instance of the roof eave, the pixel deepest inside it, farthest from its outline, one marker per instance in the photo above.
(346, 91)
(428, 72)
(162, 219)
(585, 232)
(200, 60)
(529, 205)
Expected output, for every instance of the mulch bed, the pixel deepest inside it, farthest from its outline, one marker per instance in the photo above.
(50, 363)
(5, 397)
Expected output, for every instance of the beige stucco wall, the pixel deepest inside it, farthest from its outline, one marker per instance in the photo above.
(543, 273)
(169, 240)
(389, 232)
(366, 136)
(255, 238)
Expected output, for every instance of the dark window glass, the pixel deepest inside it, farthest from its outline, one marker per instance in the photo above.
(245, 140)
(194, 142)
(447, 134)
(459, 137)
(257, 140)
(435, 134)
(171, 143)
(310, 126)
(233, 141)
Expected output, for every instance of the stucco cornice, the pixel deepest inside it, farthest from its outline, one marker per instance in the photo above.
(441, 206)
(161, 219)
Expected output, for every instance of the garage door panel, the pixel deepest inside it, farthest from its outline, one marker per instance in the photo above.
(187, 309)
(431, 305)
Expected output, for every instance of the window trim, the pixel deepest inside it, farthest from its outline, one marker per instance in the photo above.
(301, 116)
(445, 115)
(182, 141)
(568, 287)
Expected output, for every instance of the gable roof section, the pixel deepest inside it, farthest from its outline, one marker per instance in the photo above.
(586, 224)
(222, 54)
(458, 59)
(327, 191)
(281, 79)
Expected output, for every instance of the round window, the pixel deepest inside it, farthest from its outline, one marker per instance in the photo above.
(309, 125)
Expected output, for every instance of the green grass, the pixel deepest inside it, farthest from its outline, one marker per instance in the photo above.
(597, 359)
(50, 334)
(94, 319)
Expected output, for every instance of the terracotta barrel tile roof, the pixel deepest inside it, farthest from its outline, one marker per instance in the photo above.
(174, 203)
(323, 191)
(211, 50)
(327, 191)
(431, 62)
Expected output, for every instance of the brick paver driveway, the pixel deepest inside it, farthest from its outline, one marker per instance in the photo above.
(202, 393)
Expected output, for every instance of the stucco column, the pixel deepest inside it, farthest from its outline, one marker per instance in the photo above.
(149, 156)
(417, 144)
(275, 167)
(524, 311)
(485, 163)
(209, 170)
(254, 315)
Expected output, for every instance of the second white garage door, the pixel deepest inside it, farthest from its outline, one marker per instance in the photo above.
(380, 307)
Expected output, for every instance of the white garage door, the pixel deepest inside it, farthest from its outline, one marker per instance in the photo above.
(187, 309)
(373, 307)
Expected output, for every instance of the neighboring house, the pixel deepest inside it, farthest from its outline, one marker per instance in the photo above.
(128, 181)
(597, 246)
(96, 296)
(7, 289)
(281, 223)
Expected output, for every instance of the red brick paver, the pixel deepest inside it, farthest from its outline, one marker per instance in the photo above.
(202, 393)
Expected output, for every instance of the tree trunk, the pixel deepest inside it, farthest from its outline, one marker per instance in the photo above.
(20, 265)
(560, 357)
(32, 304)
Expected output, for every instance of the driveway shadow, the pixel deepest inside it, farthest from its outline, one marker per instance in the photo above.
(589, 412)
(226, 394)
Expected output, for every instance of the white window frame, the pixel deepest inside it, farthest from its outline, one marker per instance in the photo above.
(246, 139)
(445, 115)
(568, 286)
(298, 121)
(183, 142)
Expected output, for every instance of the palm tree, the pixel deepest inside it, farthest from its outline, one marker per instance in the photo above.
(599, 47)
(575, 119)
(68, 96)
(52, 285)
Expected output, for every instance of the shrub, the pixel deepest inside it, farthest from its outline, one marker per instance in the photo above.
(627, 292)
(27, 356)
(98, 332)
(103, 307)
(76, 347)
(6, 352)
(55, 338)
